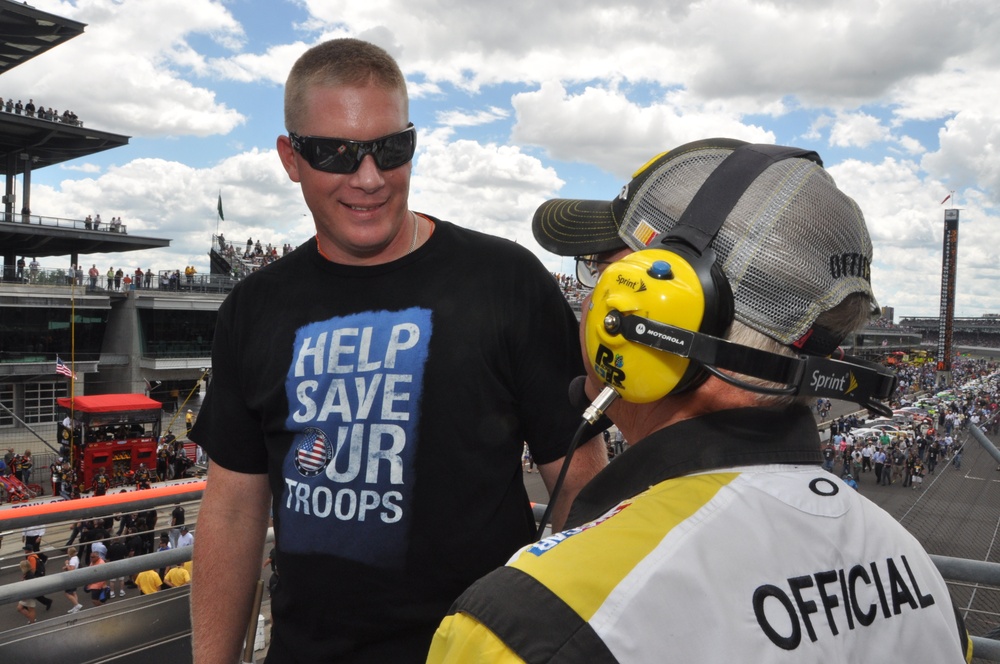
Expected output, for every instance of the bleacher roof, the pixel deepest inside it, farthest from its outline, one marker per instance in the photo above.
(26, 32)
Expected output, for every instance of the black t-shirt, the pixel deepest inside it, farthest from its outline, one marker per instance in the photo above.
(117, 550)
(389, 405)
(178, 516)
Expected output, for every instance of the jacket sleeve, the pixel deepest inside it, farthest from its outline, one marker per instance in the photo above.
(461, 639)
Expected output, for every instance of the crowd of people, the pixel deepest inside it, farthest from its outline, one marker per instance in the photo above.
(32, 110)
(108, 540)
(119, 280)
(245, 261)
(93, 223)
(906, 456)
(17, 465)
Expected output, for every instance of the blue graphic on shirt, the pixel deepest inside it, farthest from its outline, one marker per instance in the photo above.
(354, 392)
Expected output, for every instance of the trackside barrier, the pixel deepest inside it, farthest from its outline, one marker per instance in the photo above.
(26, 515)
(56, 582)
(960, 570)
(953, 569)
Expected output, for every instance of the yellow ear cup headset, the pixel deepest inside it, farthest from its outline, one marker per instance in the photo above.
(657, 315)
(671, 283)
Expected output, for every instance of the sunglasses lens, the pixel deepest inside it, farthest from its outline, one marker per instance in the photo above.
(394, 151)
(334, 156)
(586, 271)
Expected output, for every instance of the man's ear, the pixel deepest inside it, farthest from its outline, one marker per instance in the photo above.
(287, 155)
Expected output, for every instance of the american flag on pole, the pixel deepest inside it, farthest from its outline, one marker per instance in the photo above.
(62, 369)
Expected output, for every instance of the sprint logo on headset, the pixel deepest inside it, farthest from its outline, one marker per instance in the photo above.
(843, 384)
(637, 285)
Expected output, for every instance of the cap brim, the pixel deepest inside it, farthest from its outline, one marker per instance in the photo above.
(576, 228)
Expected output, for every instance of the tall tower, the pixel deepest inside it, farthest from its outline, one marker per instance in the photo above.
(946, 321)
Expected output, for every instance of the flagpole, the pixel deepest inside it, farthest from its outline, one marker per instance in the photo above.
(72, 337)
(72, 373)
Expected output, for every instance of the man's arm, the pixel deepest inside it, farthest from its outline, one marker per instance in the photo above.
(232, 519)
(588, 460)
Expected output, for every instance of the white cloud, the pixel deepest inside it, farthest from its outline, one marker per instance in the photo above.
(970, 153)
(857, 130)
(459, 118)
(127, 70)
(902, 205)
(83, 167)
(492, 188)
(900, 92)
(603, 127)
(166, 199)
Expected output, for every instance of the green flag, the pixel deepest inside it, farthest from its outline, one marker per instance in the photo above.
(221, 216)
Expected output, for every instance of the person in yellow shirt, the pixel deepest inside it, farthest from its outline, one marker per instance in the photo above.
(148, 582)
(176, 577)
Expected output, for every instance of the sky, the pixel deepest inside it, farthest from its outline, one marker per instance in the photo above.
(521, 101)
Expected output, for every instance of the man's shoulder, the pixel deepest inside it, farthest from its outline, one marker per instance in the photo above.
(469, 238)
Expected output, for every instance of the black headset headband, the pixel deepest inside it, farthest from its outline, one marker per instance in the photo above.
(852, 379)
(722, 190)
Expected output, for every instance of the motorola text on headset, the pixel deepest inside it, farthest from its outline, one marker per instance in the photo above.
(658, 315)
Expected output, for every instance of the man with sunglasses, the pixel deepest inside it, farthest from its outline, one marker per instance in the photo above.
(378, 382)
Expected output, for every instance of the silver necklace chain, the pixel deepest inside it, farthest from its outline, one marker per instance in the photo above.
(413, 242)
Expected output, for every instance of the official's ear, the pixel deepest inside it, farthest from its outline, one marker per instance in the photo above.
(288, 158)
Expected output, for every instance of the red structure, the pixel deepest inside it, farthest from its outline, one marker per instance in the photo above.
(113, 431)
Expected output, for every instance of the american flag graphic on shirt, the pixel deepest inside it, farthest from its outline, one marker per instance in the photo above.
(313, 452)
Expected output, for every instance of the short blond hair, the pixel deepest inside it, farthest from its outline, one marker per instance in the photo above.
(338, 63)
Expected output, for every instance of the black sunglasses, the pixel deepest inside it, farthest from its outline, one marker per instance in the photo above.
(340, 155)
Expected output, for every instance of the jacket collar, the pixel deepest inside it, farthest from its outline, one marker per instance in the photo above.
(738, 437)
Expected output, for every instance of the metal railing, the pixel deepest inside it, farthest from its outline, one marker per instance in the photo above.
(65, 278)
(956, 571)
(103, 226)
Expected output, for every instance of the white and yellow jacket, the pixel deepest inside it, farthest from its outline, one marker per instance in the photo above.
(718, 539)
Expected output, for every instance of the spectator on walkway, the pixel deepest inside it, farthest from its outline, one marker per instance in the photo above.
(36, 563)
(98, 589)
(185, 538)
(118, 550)
(26, 607)
(71, 563)
(148, 582)
(176, 577)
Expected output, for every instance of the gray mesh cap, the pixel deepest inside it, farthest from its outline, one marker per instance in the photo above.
(793, 247)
